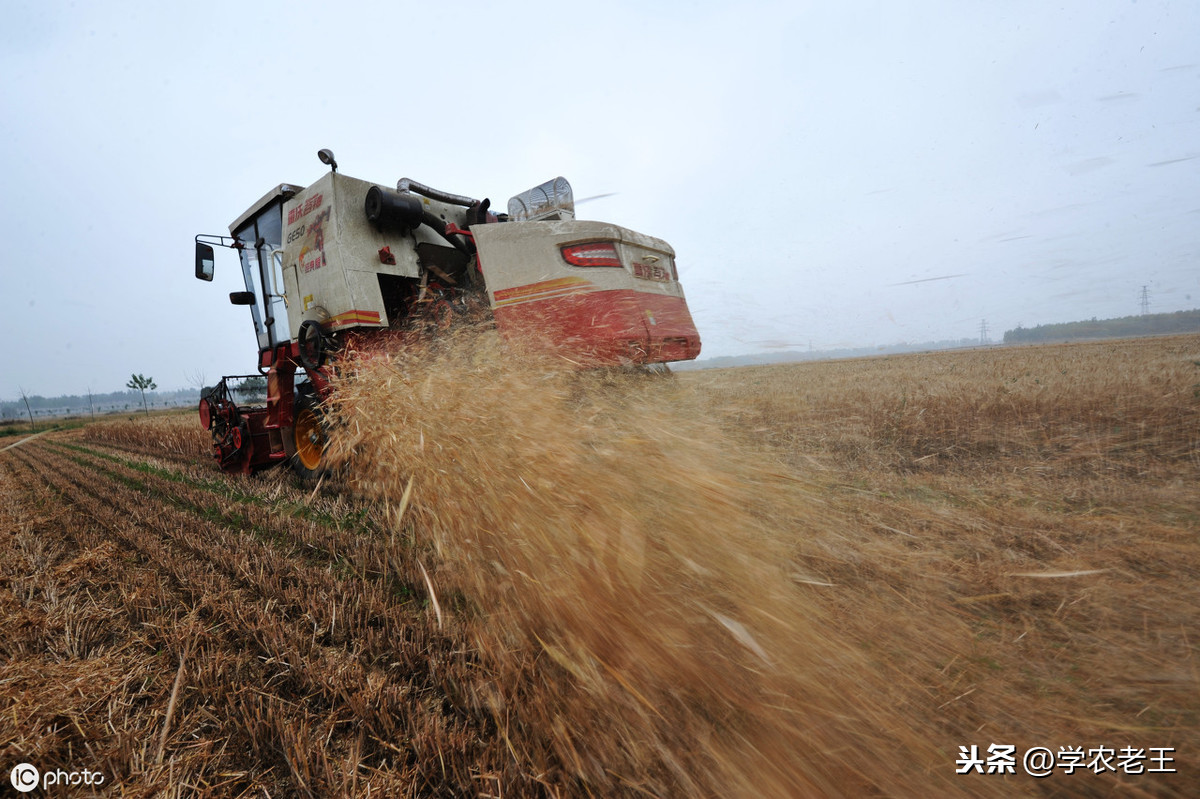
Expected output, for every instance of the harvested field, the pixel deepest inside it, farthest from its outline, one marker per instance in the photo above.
(818, 579)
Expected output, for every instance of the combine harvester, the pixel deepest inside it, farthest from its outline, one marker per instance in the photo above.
(346, 264)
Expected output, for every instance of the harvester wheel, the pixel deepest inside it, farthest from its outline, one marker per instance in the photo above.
(307, 441)
(313, 345)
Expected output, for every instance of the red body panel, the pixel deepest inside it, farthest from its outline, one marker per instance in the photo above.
(618, 326)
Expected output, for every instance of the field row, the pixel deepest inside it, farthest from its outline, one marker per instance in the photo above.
(290, 644)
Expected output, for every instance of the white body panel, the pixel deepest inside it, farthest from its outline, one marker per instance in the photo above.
(517, 254)
(331, 260)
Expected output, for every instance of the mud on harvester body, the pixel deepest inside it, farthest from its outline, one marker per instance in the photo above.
(348, 264)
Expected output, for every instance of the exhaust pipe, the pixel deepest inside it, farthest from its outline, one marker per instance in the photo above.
(408, 185)
(389, 210)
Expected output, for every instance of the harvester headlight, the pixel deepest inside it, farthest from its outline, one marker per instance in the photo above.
(594, 253)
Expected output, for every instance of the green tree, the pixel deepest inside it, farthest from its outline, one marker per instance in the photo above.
(140, 383)
(251, 388)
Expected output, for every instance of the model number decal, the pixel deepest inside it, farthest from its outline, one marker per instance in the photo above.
(651, 272)
(296, 233)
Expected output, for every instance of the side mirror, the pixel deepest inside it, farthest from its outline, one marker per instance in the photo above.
(204, 261)
(241, 297)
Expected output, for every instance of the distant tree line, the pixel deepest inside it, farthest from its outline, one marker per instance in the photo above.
(103, 403)
(1158, 324)
(252, 390)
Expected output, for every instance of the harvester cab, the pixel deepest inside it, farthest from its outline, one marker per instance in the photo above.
(348, 262)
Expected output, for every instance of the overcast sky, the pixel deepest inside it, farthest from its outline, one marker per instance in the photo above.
(822, 169)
